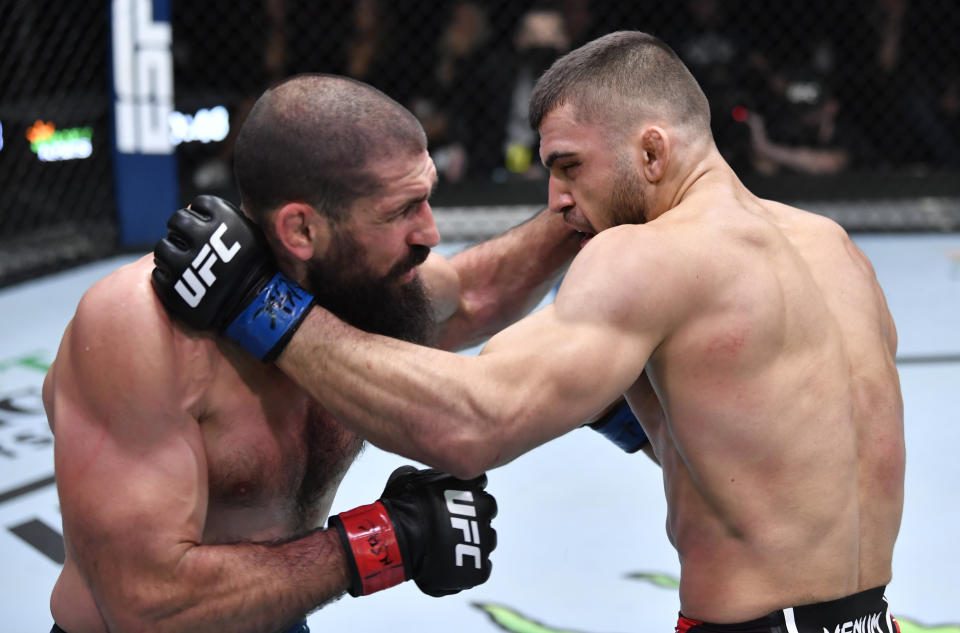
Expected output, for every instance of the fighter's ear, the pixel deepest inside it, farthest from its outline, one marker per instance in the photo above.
(301, 230)
(655, 146)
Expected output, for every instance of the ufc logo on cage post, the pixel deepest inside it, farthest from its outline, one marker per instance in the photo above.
(142, 78)
(460, 505)
(202, 264)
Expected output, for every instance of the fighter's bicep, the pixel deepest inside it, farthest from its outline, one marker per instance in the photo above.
(572, 367)
(129, 460)
(442, 284)
(594, 341)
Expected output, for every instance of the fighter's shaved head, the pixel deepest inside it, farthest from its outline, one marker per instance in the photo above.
(315, 138)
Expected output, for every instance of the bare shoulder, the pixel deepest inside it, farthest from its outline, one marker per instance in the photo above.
(121, 339)
(825, 237)
(632, 271)
(121, 310)
(800, 222)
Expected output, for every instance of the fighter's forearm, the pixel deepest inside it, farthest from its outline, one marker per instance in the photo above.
(458, 413)
(505, 277)
(387, 391)
(236, 588)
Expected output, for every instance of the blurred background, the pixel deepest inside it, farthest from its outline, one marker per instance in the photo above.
(851, 109)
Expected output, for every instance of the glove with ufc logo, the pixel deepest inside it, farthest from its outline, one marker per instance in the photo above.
(428, 526)
(214, 271)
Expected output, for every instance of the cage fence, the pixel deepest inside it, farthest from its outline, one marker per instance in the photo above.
(851, 109)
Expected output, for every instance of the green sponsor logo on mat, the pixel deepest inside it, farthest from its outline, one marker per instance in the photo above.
(512, 620)
(27, 361)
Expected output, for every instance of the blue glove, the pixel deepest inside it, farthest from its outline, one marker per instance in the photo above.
(621, 426)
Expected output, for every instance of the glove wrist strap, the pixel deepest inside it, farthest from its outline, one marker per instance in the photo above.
(367, 533)
(268, 322)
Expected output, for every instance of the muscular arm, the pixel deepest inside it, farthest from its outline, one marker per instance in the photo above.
(534, 381)
(132, 478)
(486, 287)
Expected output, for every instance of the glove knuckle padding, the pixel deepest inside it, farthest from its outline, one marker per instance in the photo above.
(187, 226)
(214, 270)
(209, 207)
(206, 264)
(486, 505)
(398, 479)
(443, 528)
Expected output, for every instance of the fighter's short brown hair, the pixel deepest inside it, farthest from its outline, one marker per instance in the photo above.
(621, 78)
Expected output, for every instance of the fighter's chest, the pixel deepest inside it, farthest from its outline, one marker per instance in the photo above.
(274, 456)
(258, 446)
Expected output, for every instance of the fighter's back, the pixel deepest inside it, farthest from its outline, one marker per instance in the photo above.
(782, 443)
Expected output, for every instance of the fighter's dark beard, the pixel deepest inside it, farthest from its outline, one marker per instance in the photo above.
(381, 306)
(627, 204)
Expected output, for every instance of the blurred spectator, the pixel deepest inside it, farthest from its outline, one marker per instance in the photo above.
(797, 126)
(890, 80)
(356, 38)
(886, 72)
(256, 69)
(710, 47)
(713, 51)
(579, 21)
(364, 53)
(949, 102)
(461, 98)
(540, 38)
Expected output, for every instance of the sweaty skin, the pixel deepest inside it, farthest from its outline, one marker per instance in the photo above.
(192, 477)
(751, 339)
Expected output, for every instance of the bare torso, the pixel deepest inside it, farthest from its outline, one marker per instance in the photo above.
(269, 459)
(781, 428)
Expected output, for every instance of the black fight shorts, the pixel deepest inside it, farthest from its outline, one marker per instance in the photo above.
(865, 612)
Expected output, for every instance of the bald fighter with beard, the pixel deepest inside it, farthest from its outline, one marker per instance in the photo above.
(194, 479)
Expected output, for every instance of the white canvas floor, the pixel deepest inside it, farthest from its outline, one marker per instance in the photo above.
(581, 525)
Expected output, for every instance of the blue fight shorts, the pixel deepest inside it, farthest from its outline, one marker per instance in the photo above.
(866, 611)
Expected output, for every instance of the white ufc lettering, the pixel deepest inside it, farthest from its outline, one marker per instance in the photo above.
(191, 288)
(460, 504)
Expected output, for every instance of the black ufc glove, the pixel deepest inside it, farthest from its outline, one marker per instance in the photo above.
(428, 526)
(214, 271)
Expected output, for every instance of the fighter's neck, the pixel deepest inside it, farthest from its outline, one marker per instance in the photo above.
(709, 174)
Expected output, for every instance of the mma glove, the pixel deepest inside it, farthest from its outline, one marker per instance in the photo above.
(427, 526)
(214, 271)
(621, 426)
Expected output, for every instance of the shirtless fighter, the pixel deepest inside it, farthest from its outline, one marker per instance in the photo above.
(193, 478)
(750, 338)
